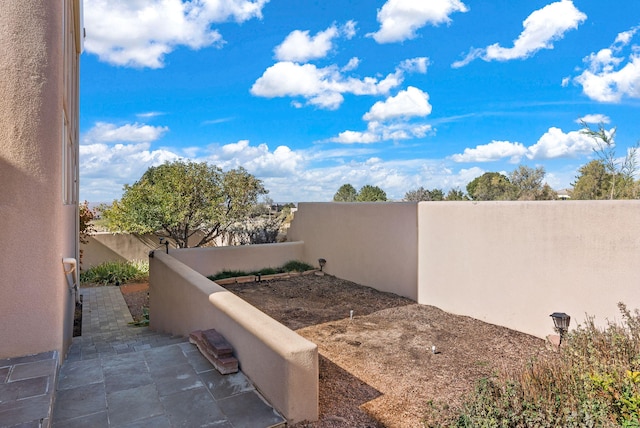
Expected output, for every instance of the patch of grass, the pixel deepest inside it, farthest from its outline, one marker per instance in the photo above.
(291, 266)
(593, 381)
(116, 272)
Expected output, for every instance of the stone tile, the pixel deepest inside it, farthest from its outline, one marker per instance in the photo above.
(27, 410)
(161, 421)
(33, 369)
(80, 401)
(165, 356)
(194, 407)
(123, 377)
(122, 360)
(223, 386)
(96, 420)
(197, 360)
(50, 355)
(248, 410)
(39, 423)
(78, 373)
(4, 374)
(172, 379)
(133, 404)
(24, 388)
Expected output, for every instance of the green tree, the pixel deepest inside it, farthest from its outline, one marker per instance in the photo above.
(528, 184)
(490, 186)
(456, 195)
(182, 198)
(369, 193)
(346, 193)
(621, 171)
(422, 194)
(592, 182)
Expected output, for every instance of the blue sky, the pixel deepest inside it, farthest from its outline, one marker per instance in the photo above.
(310, 95)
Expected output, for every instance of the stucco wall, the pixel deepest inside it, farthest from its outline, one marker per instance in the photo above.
(374, 244)
(282, 364)
(210, 261)
(108, 247)
(514, 263)
(38, 230)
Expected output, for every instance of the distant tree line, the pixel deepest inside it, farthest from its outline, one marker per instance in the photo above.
(607, 177)
(367, 193)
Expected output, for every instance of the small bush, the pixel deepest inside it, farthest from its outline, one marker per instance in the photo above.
(116, 272)
(593, 381)
(296, 266)
(291, 266)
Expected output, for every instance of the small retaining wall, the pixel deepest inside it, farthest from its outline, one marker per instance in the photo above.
(282, 364)
(211, 260)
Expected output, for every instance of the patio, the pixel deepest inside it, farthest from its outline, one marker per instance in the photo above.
(116, 375)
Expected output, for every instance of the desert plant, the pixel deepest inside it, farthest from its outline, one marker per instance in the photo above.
(116, 272)
(593, 381)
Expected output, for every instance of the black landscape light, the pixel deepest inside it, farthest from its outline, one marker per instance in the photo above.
(561, 322)
(322, 262)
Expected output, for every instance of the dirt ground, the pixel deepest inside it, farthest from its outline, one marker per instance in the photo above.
(378, 368)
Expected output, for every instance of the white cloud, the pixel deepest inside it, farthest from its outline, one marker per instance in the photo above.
(322, 87)
(555, 144)
(400, 19)
(609, 76)
(415, 65)
(140, 33)
(594, 118)
(149, 114)
(411, 102)
(552, 144)
(258, 160)
(103, 132)
(298, 46)
(377, 131)
(351, 65)
(493, 151)
(540, 30)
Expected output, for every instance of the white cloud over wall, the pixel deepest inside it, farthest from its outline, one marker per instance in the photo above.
(400, 19)
(551, 145)
(540, 30)
(496, 150)
(140, 33)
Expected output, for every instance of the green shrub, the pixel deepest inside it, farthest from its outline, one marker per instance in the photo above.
(116, 272)
(290, 266)
(296, 266)
(593, 381)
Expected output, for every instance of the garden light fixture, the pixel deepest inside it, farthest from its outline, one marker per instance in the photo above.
(322, 262)
(561, 323)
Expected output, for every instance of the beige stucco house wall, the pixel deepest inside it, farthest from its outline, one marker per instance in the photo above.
(39, 47)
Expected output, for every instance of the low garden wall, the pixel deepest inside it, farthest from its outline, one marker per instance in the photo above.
(211, 260)
(282, 364)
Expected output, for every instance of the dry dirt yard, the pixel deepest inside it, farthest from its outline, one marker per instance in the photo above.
(378, 369)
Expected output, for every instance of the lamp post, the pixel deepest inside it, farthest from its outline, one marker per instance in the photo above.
(561, 322)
